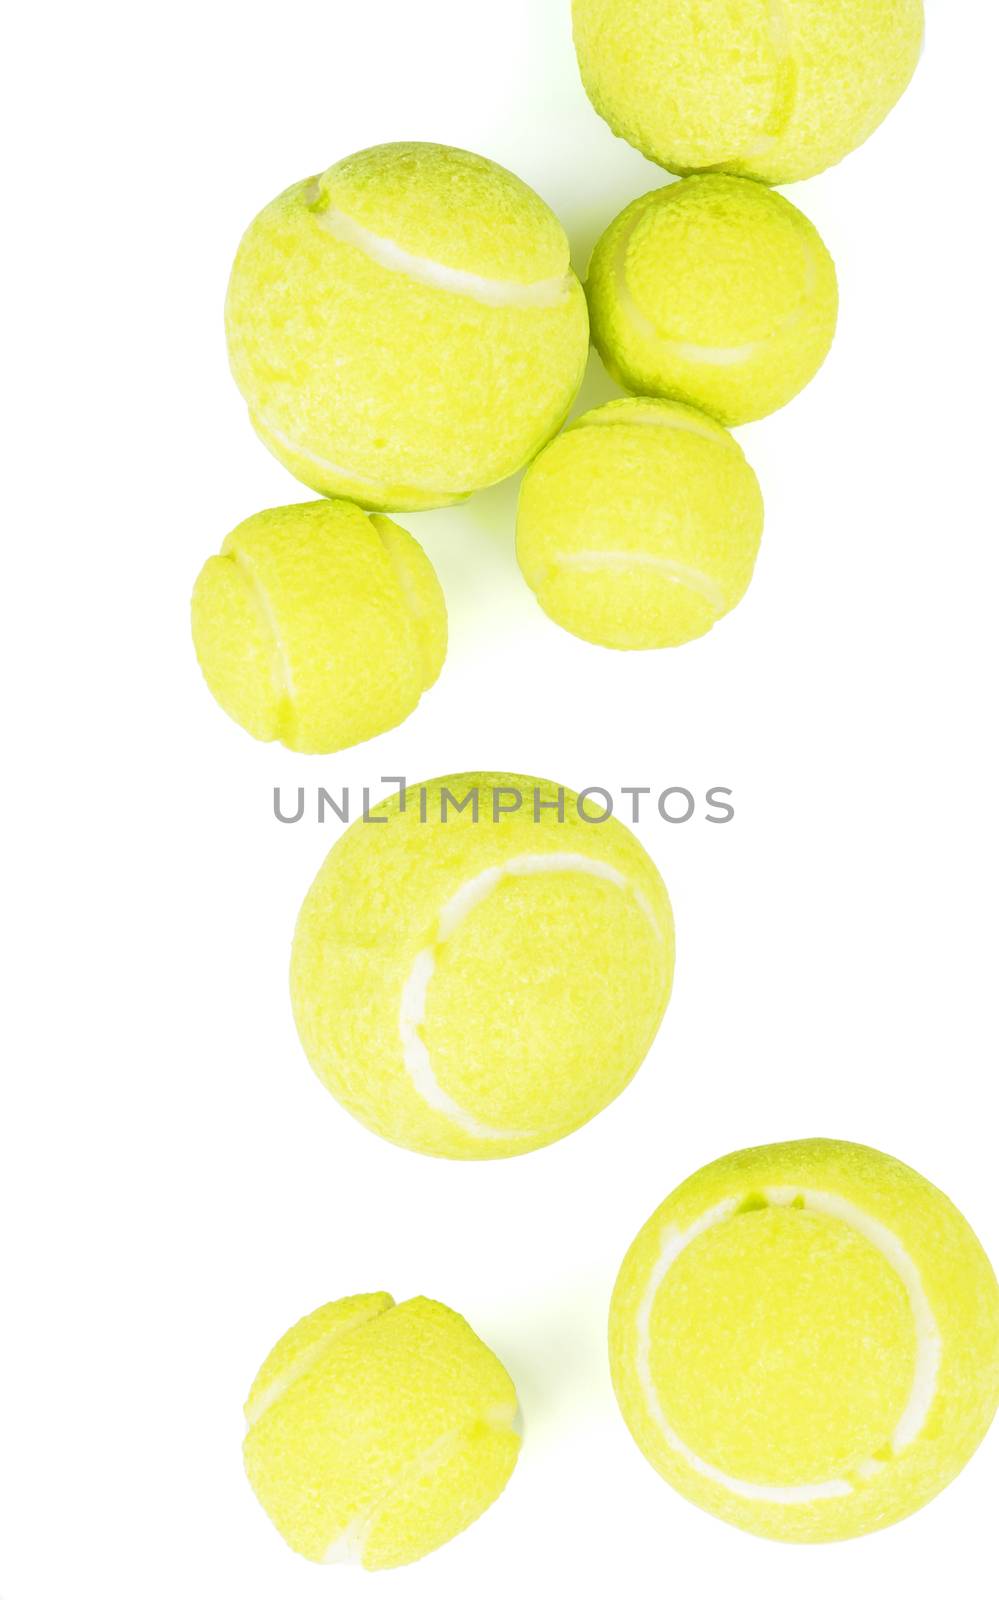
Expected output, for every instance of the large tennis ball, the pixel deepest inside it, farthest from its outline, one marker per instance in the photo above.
(379, 1431)
(319, 625)
(406, 327)
(770, 89)
(639, 526)
(480, 981)
(804, 1340)
(716, 291)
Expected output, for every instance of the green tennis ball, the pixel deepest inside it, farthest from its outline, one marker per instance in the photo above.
(318, 625)
(379, 1431)
(769, 89)
(481, 985)
(804, 1340)
(639, 526)
(715, 291)
(406, 327)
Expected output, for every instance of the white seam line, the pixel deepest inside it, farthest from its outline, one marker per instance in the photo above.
(413, 1006)
(349, 1546)
(400, 571)
(674, 571)
(309, 1358)
(545, 292)
(928, 1342)
(333, 468)
(282, 674)
(702, 354)
(675, 423)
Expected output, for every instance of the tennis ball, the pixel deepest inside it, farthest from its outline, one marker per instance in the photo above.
(318, 625)
(406, 328)
(379, 1431)
(716, 291)
(478, 982)
(639, 526)
(769, 89)
(804, 1340)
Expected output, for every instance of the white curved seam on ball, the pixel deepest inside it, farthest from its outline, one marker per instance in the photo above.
(702, 354)
(416, 1057)
(347, 1550)
(413, 1006)
(928, 1343)
(675, 571)
(282, 675)
(515, 1423)
(674, 1242)
(407, 587)
(297, 1369)
(349, 1546)
(476, 889)
(674, 424)
(646, 328)
(545, 292)
(335, 470)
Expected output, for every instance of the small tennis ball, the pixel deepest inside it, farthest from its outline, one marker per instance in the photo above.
(479, 982)
(318, 625)
(804, 1340)
(639, 526)
(715, 291)
(406, 328)
(379, 1431)
(769, 89)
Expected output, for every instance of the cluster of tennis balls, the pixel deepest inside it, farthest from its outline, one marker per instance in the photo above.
(804, 1338)
(804, 1341)
(406, 329)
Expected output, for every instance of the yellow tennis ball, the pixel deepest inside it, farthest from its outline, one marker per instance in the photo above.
(769, 89)
(379, 1431)
(406, 327)
(482, 966)
(804, 1340)
(318, 625)
(715, 291)
(639, 526)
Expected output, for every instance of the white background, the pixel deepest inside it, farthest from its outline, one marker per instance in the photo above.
(177, 1186)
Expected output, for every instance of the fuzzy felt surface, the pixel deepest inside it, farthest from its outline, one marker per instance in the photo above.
(406, 327)
(639, 526)
(715, 291)
(379, 1431)
(804, 1340)
(319, 625)
(770, 89)
(479, 988)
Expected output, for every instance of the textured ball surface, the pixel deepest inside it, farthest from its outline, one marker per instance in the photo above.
(639, 526)
(379, 1431)
(319, 625)
(769, 89)
(804, 1340)
(406, 328)
(478, 988)
(715, 291)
